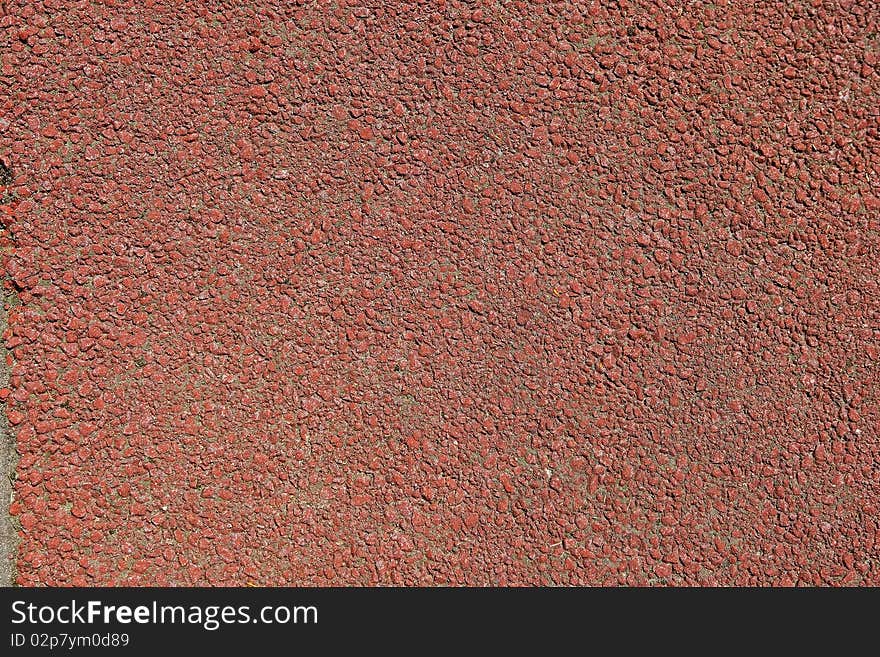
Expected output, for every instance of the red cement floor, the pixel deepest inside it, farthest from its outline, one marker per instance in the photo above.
(444, 292)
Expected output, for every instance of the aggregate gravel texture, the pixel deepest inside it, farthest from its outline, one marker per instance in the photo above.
(463, 293)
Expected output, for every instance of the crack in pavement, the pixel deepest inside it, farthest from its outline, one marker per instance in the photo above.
(8, 463)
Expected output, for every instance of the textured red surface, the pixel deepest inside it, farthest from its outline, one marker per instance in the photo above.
(460, 293)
